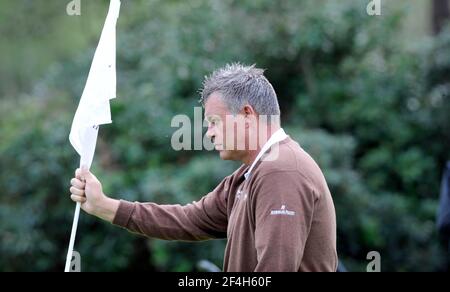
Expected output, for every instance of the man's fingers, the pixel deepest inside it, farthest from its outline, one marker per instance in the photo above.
(75, 191)
(77, 183)
(77, 199)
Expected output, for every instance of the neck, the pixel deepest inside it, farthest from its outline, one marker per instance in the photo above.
(251, 155)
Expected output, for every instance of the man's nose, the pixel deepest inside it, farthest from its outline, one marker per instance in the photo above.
(210, 134)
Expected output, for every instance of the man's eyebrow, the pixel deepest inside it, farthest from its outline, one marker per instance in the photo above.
(211, 118)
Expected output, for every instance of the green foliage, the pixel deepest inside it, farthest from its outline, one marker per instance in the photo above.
(35, 33)
(371, 111)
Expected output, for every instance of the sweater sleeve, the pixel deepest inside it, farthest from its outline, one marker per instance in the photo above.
(202, 220)
(283, 205)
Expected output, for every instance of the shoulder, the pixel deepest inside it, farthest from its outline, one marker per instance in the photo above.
(289, 162)
(288, 156)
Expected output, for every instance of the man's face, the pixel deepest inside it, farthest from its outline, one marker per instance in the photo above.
(227, 132)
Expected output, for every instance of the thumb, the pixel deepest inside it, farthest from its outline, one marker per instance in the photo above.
(85, 173)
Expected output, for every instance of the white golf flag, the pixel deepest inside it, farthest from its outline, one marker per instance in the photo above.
(93, 109)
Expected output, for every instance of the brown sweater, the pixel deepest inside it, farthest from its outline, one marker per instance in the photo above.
(281, 218)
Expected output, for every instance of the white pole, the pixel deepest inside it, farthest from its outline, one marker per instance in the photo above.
(72, 237)
(100, 85)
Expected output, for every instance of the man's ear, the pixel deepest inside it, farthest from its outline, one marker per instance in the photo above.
(249, 114)
(248, 111)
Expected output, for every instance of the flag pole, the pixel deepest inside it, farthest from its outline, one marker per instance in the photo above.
(72, 237)
(94, 109)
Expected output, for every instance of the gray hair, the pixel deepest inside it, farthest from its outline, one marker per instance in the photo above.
(240, 85)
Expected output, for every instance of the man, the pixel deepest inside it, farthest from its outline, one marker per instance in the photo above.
(275, 210)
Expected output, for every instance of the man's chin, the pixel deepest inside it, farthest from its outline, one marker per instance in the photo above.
(225, 155)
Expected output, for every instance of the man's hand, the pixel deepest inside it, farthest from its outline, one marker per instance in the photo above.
(87, 190)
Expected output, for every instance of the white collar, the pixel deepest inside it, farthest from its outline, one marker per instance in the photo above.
(276, 137)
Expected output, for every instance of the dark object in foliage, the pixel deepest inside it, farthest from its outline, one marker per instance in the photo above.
(443, 217)
(341, 268)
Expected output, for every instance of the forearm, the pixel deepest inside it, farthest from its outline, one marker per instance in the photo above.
(107, 209)
(169, 222)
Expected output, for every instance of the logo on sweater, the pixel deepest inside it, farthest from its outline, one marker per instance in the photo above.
(282, 211)
(240, 194)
